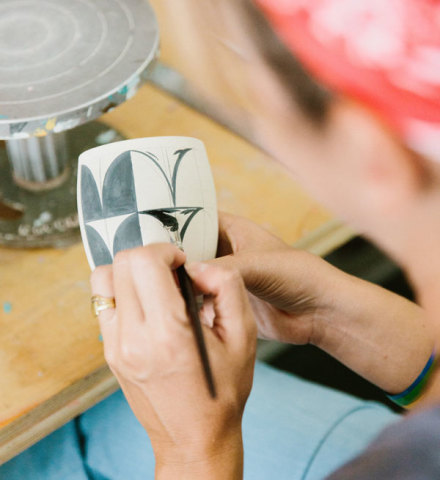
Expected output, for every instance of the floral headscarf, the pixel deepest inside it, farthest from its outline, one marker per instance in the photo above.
(383, 53)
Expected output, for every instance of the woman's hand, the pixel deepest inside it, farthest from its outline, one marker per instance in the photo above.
(299, 298)
(150, 347)
(290, 290)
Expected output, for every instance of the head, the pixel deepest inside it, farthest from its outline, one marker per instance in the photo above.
(340, 147)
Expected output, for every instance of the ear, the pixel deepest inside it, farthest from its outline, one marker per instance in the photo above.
(388, 177)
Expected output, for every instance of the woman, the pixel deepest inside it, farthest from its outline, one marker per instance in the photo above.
(363, 141)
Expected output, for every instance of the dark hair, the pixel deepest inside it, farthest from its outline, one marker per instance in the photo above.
(311, 97)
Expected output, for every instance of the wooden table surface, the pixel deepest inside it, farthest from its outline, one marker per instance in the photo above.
(51, 360)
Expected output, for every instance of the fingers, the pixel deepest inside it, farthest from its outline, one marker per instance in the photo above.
(244, 245)
(231, 230)
(130, 313)
(238, 234)
(143, 285)
(233, 319)
(207, 312)
(102, 284)
(225, 242)
(151, 269)
(101, 281)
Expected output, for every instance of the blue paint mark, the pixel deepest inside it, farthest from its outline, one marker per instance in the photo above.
(2, 117)
(100, 338)
(7, 307)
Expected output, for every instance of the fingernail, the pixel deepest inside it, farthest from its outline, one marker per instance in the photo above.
(206, 319)
(196, 267)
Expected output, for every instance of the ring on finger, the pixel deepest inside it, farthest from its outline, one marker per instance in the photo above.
(100, 303)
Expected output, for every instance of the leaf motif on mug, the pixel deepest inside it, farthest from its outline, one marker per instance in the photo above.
(100, 252)
(128, 235)
(118, 192)
(91, 201)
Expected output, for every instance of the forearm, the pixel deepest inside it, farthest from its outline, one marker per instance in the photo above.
(223, 461)
(382, 336)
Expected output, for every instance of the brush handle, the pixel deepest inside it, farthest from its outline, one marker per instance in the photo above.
(189, 296)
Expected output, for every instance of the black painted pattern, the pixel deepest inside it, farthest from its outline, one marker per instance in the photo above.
(119, 198)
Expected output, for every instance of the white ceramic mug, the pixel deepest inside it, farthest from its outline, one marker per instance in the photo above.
(143, 191)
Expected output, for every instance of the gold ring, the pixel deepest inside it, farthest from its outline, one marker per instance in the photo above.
(100, 303)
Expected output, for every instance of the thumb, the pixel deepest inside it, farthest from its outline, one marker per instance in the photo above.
(236, 233)
(225, 242)
(228, 262)
(253, 267)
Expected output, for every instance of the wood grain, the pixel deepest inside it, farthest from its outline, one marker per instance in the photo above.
(51, 360)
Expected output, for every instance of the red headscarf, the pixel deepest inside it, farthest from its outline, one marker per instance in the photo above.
(383, 53)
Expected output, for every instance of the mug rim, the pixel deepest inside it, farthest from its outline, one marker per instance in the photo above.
(154, 139)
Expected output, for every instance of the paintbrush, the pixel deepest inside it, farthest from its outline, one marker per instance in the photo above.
(188, 294)
(171, 225)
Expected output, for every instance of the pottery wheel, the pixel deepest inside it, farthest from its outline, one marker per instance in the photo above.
(67, 61)
(63, 63)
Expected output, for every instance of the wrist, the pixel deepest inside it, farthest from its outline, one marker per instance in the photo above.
(414, 393)
(374, 332)
(331, 318)
(219, 459)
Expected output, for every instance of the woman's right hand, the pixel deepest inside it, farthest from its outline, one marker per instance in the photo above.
(289, 289)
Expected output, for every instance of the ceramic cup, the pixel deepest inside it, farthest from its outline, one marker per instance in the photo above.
(147, 190)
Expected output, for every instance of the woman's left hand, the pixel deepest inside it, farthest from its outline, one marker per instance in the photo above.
(150, 347)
